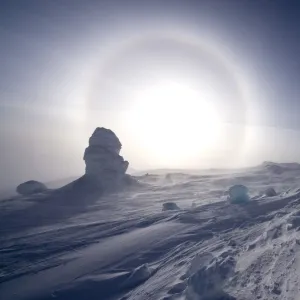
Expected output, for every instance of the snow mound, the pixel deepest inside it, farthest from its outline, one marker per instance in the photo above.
(31, 187)
(170, 206)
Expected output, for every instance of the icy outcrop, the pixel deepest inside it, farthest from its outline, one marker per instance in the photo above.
(104, 165)
(31, 187)
(238, 194)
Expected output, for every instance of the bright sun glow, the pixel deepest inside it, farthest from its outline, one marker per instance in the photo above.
(176, 123)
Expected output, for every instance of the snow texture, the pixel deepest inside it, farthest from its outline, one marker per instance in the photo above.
(270, 192)
(79, 245)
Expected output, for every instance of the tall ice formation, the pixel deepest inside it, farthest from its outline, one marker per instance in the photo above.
(103, 162)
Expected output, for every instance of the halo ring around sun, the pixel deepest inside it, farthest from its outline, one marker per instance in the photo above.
(189, 41)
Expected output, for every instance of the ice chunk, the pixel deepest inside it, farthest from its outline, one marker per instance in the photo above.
(238, 194)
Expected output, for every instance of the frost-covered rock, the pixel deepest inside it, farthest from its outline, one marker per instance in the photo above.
(270, 192)
(170, 206)
(104, 165)
(238, 194)
(31, 187)
(105, 138)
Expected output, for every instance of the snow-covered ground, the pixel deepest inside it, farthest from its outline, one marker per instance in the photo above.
(123, 246)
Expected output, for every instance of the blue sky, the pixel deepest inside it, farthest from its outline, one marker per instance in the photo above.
(69, 66)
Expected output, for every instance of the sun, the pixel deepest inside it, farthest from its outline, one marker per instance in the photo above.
(175, 122)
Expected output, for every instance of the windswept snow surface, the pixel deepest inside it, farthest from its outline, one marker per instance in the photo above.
(123, 246)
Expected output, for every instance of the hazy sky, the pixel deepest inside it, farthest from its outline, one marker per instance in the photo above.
(70, 66)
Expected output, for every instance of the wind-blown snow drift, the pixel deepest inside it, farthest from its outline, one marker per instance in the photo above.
(122, 246)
